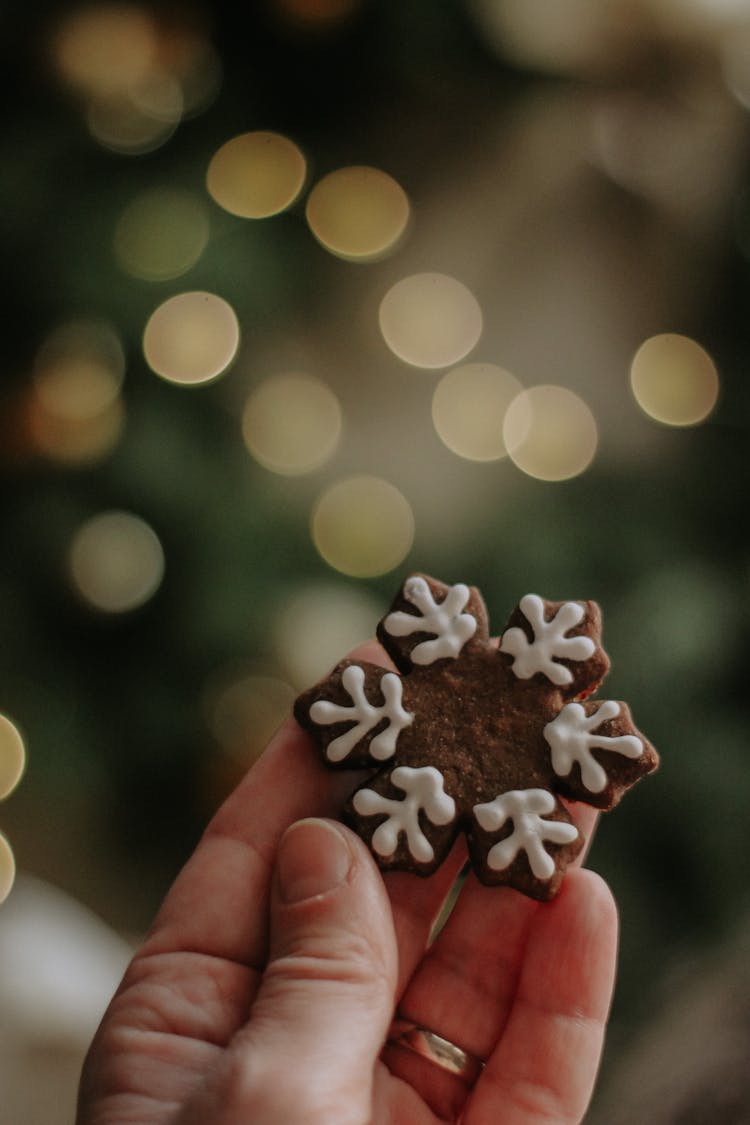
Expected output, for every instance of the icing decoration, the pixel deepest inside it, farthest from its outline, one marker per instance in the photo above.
(451, 626)
(364, 715)
(503, 740)
(525, 808)
(424, 789)
(549, 641)
(571, 737)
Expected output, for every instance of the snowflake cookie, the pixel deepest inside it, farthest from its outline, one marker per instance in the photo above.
(478, 738)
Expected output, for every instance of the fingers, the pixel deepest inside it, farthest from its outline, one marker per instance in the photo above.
(325, 1003)
(546, 1062)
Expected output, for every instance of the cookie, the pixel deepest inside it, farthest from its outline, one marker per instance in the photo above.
(475, 737)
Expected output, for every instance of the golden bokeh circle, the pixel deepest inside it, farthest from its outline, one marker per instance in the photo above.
(358, 212)
(291, 423)
(7, 868)
(161, 234)
(255, 175)
(191, 338)
(674, 380)
(469, 407)
(319, 622)
(116, 562)
(12, 756)
(363, 526)
(430, 320)
(103, 48)
(550, 433)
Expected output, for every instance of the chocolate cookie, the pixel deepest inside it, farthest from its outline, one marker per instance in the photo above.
(476, 738)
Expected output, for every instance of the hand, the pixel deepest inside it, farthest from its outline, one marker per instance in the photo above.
(266, 987)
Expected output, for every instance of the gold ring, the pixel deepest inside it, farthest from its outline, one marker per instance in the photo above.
(437, 1050)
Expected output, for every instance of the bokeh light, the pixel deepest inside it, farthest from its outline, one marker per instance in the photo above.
(102, 49)
(363, 526)
(161, 234)
(7, 868)
(12, 756)
(674, 380)
(430, 320)
(358, 213)
(243, 711)
(469, 407)
(292, 423)
(116, 562)
(550, 433)
(318, 624)
(191, 338)
(75, 413)
(256, 175)
(314, 15)
(139, 120)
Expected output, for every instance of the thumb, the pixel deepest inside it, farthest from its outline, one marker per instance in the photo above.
(326, 999)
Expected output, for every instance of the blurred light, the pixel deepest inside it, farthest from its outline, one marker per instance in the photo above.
(102, 49)
(735, 61)
(468, 409)
(550, 433)
(140, 119)
(568, 36)
(12, 756)
(7, 868)
(358, 212)
(430, 320)
(75, 413)
(256, 174)
(320, 624)
(191, 338)
(316, 13)
(244, 711)
(292, 423)
(363, 526)
(116, 562)
(76, 441)
(196, 65)
(674, 380)
(161, 234)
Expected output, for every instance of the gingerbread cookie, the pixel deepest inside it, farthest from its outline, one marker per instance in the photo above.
(478, 738)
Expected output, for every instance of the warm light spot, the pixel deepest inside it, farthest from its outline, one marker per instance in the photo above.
(7, 868)
(674, 380)
(468, 409)
(196, 65)
(76, 441)
(161, 234)
(12, 756)
(292, 423)
(316, 13)
(105, 48)
(78, 370)
(140, 119)
(116, 562)
(256, 174)
(191, 338)
(245, 710)
(363, 526)
(358, 212)
(318, 625)
(430, 320)
(550, 433)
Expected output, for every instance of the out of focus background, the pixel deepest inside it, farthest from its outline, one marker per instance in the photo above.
(300, 295)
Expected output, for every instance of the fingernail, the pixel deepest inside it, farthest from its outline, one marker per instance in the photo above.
(313, 858)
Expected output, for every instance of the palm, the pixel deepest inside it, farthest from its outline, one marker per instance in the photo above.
(522, 985)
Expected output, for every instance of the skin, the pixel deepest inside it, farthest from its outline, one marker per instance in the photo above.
(266, 986)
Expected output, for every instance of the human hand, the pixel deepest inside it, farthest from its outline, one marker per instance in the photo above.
(266, 987)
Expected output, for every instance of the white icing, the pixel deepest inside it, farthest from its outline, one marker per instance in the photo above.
(424, 789)
(451, 626)
(364, 715)
(549, 641)
(525, 808)
(571, 738)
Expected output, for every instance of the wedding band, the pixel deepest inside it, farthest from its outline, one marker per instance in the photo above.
(431, 1046)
